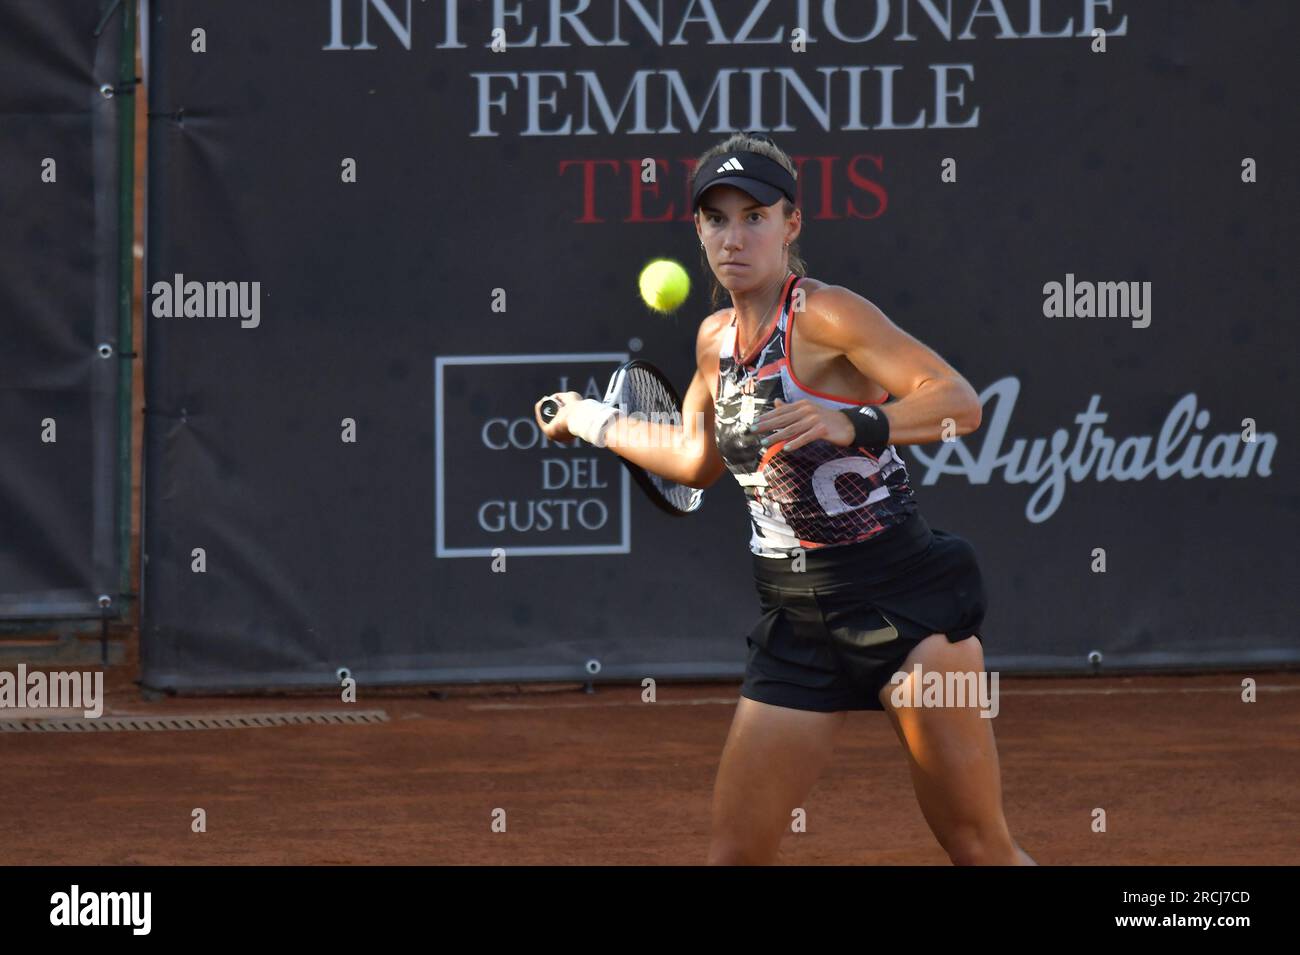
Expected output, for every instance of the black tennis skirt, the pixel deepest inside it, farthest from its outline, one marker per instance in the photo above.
(832, 635)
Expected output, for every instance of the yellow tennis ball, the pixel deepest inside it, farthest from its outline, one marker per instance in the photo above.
(664, 285)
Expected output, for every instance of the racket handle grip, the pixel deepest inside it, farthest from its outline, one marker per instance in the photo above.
(550, 408)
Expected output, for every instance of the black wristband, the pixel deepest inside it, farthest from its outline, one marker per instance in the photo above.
(870, 427)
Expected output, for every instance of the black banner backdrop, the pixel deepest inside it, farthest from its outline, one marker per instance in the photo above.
(62, 374)
(340, 440)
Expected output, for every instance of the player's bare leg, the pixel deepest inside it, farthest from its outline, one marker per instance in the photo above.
(954, 761)
(771, 759)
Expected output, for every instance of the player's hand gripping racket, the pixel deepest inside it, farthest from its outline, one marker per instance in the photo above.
(639, 388)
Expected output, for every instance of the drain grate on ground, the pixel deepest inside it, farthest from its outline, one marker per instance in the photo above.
(211, 721)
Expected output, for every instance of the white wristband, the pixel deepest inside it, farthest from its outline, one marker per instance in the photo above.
(589, 419)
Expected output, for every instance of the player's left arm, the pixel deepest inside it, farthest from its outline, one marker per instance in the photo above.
(934, 399)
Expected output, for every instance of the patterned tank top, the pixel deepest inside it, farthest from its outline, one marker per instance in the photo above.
(818, 495)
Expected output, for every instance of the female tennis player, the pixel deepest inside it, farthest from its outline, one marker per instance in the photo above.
(854, 586)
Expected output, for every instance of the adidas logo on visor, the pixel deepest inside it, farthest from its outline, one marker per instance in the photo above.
(733, 163)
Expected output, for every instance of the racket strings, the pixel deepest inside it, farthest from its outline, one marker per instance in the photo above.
(646, 395)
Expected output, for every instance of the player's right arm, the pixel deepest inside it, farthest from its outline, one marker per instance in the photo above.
(687, 454)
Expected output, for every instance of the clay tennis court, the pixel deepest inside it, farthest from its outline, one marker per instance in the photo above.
(1187, 774)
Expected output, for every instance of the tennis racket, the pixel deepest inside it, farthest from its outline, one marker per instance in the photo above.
(638, 387)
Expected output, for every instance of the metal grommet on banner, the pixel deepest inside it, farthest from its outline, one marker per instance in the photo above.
(108, 91)
(105, 606)
(592, 667)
